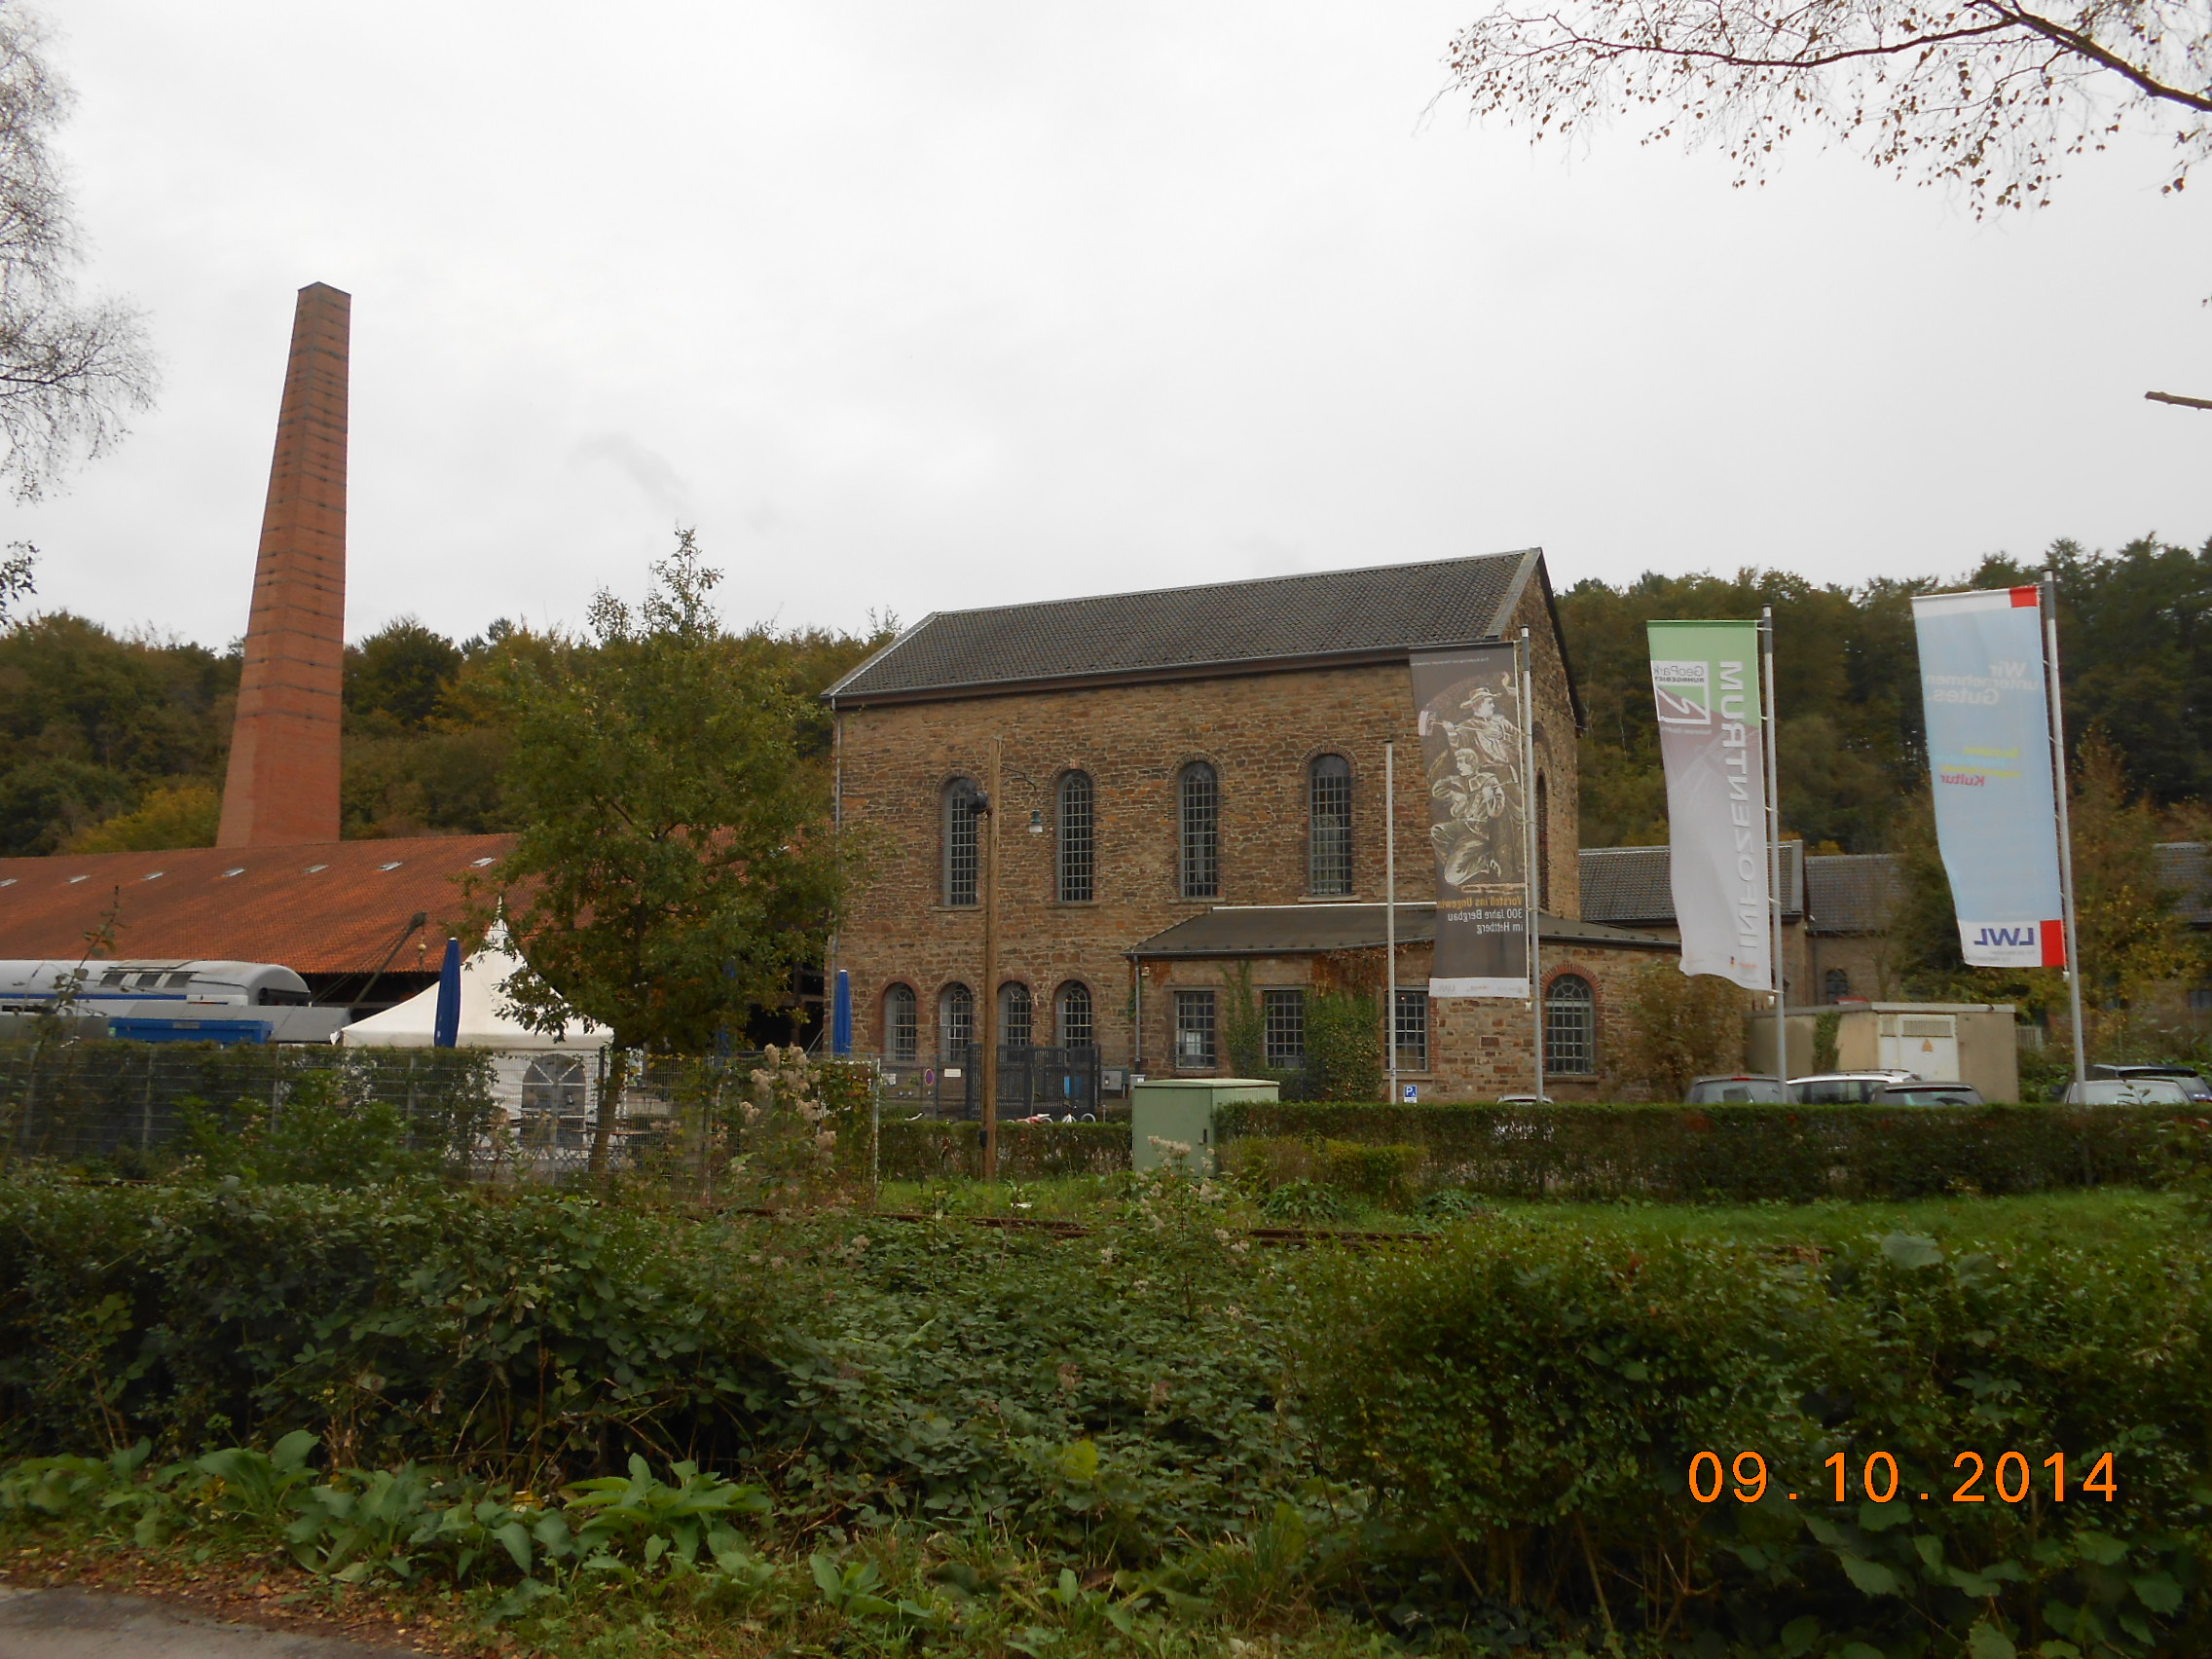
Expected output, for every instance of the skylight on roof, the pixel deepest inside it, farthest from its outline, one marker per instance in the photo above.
(73, 880)
(153, 876)
(394, 865)
(479, 863)
(311, 868)
(240, 870)
(10, 882)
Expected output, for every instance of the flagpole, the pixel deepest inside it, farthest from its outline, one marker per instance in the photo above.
(2050, 599)
(1774, 849)
(1529, 852)
(1390, 911)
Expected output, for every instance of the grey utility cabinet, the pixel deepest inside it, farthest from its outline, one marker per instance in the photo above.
(1182, 1109)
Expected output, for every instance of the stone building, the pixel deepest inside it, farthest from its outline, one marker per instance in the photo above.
(1192, 787)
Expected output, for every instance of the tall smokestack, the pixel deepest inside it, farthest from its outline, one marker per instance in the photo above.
(282, 786)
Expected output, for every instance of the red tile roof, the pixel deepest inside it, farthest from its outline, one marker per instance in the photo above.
(327, 908)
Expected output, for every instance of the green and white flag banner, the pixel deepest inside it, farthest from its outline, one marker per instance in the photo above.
(1705, 677)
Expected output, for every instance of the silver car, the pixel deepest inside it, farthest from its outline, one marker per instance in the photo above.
(2127, 1092)
(1844, 1089)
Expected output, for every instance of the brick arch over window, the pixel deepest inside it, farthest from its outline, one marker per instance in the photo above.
(1076, 839)
(1328, 826)
(1570, 1024)
(962, 856)
(1198, 822)
(902, 1030)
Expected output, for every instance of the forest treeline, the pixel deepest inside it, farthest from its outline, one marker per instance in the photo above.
(113, 742)
(2135, 650)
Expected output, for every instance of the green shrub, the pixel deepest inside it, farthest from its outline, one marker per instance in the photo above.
(923, 1149)
(1299, 1199)
(1734, 1151)
(1530, 1398)
(1343, 1045)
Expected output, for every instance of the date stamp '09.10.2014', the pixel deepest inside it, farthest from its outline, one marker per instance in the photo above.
(2012, 1479)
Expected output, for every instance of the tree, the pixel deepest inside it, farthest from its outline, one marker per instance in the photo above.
(68, 369)
(675, 862)
(1679, 1027)
(1991, 94)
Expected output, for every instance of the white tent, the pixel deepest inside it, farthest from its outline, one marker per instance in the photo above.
(486, 1018)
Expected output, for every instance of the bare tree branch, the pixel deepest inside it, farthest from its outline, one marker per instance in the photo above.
(70, 370)
(1991, 94)
(2176, 399)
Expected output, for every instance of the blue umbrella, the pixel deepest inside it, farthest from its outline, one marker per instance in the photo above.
(446, 1033)
(841, 1021)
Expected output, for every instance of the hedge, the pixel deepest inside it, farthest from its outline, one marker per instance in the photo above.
(1736, 1153)
(923, 1149)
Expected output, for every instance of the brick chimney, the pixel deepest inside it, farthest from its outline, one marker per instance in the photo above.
(283, 786)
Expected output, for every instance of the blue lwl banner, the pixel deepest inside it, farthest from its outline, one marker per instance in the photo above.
(1982, 683)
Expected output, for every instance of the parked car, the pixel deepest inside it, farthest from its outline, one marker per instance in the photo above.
(1524, 1100)
(2127, 1092)
(1927, 1094)
(1844, 1089)
(2191, 1082)
(1735, 1088)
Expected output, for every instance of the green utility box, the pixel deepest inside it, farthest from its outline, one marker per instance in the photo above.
(1182, 1109)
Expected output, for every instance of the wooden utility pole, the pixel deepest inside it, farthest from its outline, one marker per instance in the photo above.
(988, 995)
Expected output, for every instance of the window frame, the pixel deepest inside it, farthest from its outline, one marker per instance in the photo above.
(1197, 833)
(954, 841)
(1075, 866)
(1012, 994)
(1277, 1051)
(1335, 883)
(949, 996)
(1835, 984)
(1580, 1006)
(1185, 1008)
(899, 999)
(1416, 1000)
(1069, 990)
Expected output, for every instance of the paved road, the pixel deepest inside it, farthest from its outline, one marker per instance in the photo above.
(92, 1624)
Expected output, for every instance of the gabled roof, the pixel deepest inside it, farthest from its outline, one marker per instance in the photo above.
(1372, 615)
(1299, 930)
(1630, 885)
(327, 908)
(1853, 893)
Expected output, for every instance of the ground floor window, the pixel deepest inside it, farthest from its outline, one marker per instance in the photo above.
(1410, 1030)
(1571, 1026)
(1016, 1027)
(1194, 1030)
(1835, 984)
(1284, 1013)
(955, 1022)
(1075, 1016)
(2200, 998)
(901, 1028)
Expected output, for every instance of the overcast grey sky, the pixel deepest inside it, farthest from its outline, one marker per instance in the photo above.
(912, 307)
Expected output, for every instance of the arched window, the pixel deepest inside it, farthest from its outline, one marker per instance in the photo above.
(1543, 843)
(1015, 1024)
(1571, 1026)
(1835, 984)
(1075, 1016)
(955, 1022)
(1328, 826)
(901, 1028)
(1198, 803)
(1078, 849)
(960, 841)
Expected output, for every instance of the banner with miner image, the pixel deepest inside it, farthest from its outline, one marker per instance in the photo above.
(1705, 677)
(1468, 703)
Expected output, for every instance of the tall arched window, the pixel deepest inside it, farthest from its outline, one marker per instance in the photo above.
(1078, 849)
(899, 1026)
(960, 841)
(1543, 843)
(1571, 1027)
(1836, 984)
(1016, 1023)
(1198, 807)
(1076, 1029)
(1328, 826)
(955, 1022)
